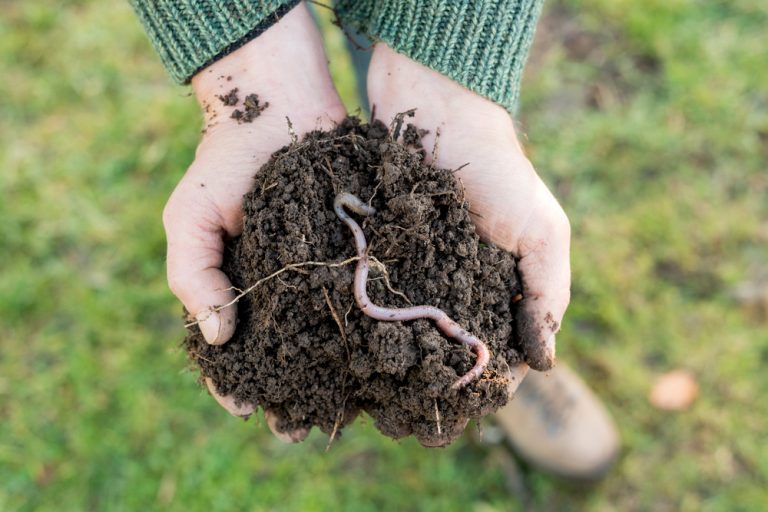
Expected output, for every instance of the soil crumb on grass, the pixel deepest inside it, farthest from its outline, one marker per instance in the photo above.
(302, 347)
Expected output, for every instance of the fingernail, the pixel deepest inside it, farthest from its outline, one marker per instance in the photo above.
(209, 323)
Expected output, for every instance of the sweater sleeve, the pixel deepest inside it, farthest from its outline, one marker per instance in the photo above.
(191, 34)
(481, 44)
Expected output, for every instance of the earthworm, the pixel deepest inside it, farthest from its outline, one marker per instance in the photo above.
(443, 322)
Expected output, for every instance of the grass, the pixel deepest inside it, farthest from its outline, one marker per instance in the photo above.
(648, 119)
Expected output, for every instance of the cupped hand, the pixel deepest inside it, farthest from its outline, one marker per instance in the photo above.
(509, 203)
(286, 67)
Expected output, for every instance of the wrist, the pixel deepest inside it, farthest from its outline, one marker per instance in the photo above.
(285, 65)
(397, 83)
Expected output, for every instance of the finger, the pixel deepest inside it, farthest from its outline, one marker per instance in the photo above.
(289, 436)
(544, 266)
(228, 402)
(244, 410)
(515, 376)
(195, 253)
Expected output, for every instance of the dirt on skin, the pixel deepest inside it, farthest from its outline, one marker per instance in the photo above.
(302, 347)
(230, 99)
(252, 109)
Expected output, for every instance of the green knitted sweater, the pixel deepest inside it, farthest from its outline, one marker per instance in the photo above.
(481, 44)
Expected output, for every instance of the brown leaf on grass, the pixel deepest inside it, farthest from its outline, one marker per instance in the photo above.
(674, 391)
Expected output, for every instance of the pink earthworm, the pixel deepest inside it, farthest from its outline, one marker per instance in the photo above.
(443, 322)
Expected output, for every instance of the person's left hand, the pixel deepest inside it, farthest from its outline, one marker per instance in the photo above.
(287, 67)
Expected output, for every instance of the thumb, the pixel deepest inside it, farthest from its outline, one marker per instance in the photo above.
(195, 254)
(540, 242)
(544, 266)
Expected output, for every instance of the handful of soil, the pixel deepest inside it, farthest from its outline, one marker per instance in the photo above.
(304, 350)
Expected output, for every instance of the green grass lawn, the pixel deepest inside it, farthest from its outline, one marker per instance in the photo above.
(648, 119)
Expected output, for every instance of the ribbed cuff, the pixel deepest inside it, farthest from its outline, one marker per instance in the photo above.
(481, 44)
(191, 34)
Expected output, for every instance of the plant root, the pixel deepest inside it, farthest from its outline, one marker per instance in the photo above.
(290, 266)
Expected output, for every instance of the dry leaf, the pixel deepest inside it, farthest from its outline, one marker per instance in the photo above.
(674, 391)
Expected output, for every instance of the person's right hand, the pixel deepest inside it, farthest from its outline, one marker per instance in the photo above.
(285, 66)
(510, 205)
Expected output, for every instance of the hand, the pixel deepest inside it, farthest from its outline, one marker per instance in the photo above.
(510, 205)
(285, 66)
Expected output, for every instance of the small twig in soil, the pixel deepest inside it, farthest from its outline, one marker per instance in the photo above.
(443, 322)
(435, 148)
(443, 193)
(328, 167)
(198, 356)
(375, 191)
(385, 274)
(437, 418)
(339, 414)
(291, 131)
(459, 168)
(332, 437)
(264, 189)
(298, 147)
(398, 122)
(336, 318)
(290, 266)
(287, 285)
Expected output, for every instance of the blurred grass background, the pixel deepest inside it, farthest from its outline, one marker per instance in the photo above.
(648, 119)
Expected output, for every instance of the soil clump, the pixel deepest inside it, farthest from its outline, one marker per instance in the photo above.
(252, 108)
(304, 350)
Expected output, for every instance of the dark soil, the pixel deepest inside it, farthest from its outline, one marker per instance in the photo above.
(230, 99)
(412, 136)
(302, 347)
(252, 109)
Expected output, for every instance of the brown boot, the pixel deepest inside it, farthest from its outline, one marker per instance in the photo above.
(556, 423)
